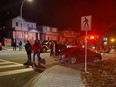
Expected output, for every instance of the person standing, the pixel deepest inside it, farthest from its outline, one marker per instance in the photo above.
(28, 48)
(52, 49)
(14, 45)
(36, 48)
(20, 46)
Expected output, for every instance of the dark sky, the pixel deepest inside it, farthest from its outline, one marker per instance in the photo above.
(63, 13)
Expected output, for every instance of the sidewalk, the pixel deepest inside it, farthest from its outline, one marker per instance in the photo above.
(57, 76)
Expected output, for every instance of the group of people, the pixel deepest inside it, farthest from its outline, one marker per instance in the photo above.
(15, 45)
(36, 49)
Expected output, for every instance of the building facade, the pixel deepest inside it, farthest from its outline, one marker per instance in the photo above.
(68, 36)
(24, 30)
(48, 33)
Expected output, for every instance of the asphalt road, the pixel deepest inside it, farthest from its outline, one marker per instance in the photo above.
(14, 74)
(12, 71)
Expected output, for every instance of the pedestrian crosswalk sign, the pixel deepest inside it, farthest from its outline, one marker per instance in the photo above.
(85, 23)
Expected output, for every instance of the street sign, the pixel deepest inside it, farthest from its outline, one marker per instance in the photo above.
(85, 26)
(85, 23)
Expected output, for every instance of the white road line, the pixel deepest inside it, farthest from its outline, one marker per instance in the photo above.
(15, 71)
(6, 62)
(10, 66)
(3, 60)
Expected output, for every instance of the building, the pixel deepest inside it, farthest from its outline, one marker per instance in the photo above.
(24, 30)
(48, 33)
(68, 36)
(17, 29)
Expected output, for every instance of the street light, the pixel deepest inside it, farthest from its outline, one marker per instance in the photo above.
(21, 13)
(21, 8)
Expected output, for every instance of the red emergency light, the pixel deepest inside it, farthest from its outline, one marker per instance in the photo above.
(92, 37)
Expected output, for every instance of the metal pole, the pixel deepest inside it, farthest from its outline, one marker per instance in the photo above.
(21, 8)
(86, 52)
(21, 13)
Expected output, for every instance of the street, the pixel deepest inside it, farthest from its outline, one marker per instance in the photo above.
(14, 74)
(12, 71)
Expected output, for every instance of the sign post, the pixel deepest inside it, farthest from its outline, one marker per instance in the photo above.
(85, 26)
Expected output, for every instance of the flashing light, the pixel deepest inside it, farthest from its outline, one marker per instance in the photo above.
(92, 37)
(112, 40)
(83, 46)
(93, 47)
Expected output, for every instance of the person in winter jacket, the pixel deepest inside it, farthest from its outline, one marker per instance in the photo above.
(52, 45)
(36, 48)
(20, 45)
(14, 45)
(28, 48)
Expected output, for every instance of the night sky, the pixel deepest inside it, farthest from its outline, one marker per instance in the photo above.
(63, 13)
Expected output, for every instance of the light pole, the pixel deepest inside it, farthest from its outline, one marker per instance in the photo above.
(21, 8)
(21, 13)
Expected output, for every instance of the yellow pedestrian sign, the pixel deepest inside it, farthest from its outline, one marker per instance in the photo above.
(85, 23)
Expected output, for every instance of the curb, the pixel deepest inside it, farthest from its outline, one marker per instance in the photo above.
(33, 81)
(36, 81)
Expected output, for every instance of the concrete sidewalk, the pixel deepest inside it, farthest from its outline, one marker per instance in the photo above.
(57, 76)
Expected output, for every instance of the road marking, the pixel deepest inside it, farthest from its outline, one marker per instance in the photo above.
(9, 66)
(6, 62)
(14, 64)
(15, 71)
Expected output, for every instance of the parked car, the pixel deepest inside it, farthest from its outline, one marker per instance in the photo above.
(59, 48)
(71, 45)
(77, 55)
(46, 45)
